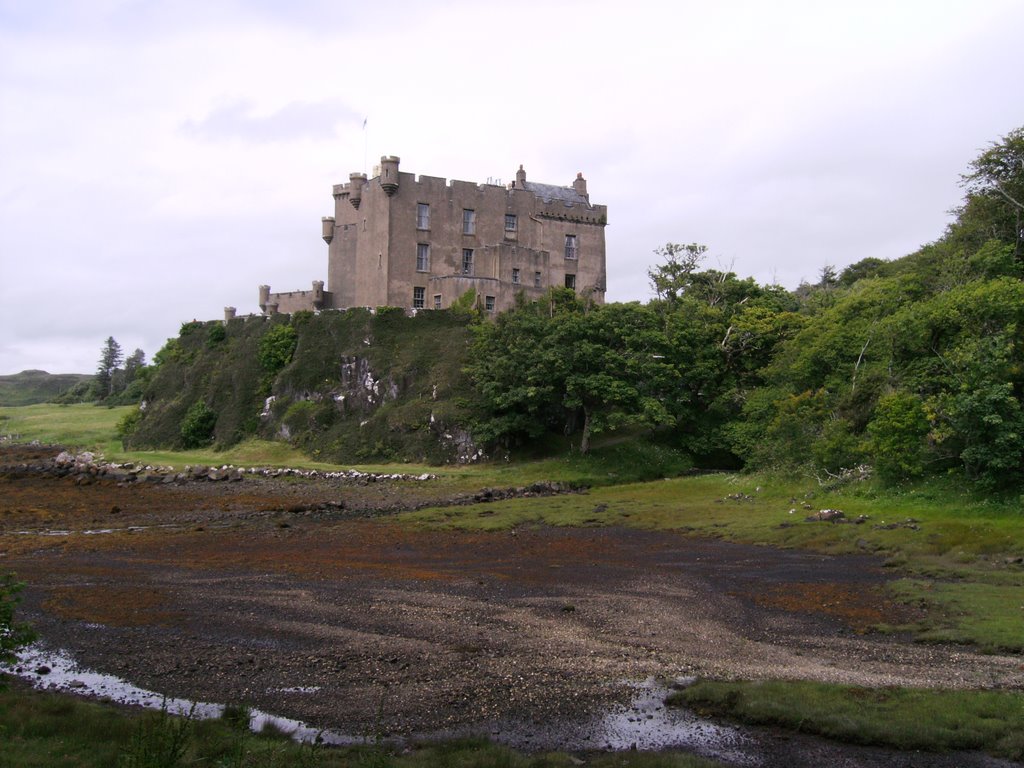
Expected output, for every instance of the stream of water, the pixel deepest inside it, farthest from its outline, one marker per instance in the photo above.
(645, 724)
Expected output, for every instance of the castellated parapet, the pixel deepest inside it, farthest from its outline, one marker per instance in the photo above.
(421, 242)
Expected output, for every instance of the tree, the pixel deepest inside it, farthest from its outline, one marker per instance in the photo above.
(998, 173)
(135, 361)
(110, 359)
(898, 432)
(671, 279)
(615, 369)
(556, 361)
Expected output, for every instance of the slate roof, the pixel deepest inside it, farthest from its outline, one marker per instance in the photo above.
(549, 192)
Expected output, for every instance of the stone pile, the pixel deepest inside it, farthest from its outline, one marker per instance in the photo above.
(86, 467)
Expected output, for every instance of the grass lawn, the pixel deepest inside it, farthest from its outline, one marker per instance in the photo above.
(894, 717)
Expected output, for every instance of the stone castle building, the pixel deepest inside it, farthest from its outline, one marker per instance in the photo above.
(420, 243)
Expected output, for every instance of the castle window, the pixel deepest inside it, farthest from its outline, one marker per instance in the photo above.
(418, 297)
(467, 261)
(570, 282)
(489, 303)
(536, 279)
(510, 222)
(570, 247)
(422, 257)
(437, 301)
(422, 216)
(468, 221)
(515, 275)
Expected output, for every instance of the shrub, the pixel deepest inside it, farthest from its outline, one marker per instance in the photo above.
(897, 436)
(197, 427)
(276, 348)
(129, 423)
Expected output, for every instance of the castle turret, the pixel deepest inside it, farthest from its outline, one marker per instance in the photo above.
(580, 185)
(327, 224)
(389, 174)
(264, 297)
(229, 314)
(318, 294)
(355, 187)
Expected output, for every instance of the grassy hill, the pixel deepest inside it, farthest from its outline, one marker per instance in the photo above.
(31, 387)
(342, 386)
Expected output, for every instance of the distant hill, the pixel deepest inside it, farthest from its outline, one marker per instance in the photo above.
(31, 387)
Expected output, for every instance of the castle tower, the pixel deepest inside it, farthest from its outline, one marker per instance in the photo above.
(318, 294)
(229, 314)
(264, 297)
(356, 182)
(327, 225)
(389, 174)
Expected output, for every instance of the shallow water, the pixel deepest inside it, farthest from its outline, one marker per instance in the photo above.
(67, 676)
(645, 724)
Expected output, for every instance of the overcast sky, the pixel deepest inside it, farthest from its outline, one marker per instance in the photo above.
(160, 160)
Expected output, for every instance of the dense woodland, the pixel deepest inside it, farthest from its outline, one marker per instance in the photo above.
(913, 366)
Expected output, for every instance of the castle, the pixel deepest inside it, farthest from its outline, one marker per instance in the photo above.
(421, 243)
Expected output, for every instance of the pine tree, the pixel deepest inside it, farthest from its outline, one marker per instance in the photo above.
(110, 359)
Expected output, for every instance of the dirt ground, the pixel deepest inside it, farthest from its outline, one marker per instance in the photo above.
(260, 592)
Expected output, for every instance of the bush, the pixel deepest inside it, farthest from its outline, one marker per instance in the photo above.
(276, 348)
(897, 436)
(129, 423)
(197, 427)
(215, 335)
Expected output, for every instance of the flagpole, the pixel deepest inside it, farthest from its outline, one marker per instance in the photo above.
(365, 145)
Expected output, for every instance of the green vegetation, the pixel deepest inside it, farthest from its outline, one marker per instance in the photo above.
(31, 387)
(341, 386)
(13, 634)
(46, 730)
(893, 717)
(84, 426)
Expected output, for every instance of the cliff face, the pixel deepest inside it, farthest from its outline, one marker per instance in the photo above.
(344, 386)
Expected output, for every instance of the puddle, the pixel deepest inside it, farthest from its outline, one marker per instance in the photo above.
(66, 676)
(94, 531)
(644, 724)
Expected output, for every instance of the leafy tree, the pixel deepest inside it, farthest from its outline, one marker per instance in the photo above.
(998, 173)
(555, 362)
(671, 279)
(110, 359)
(615, 372)
(898, 432)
